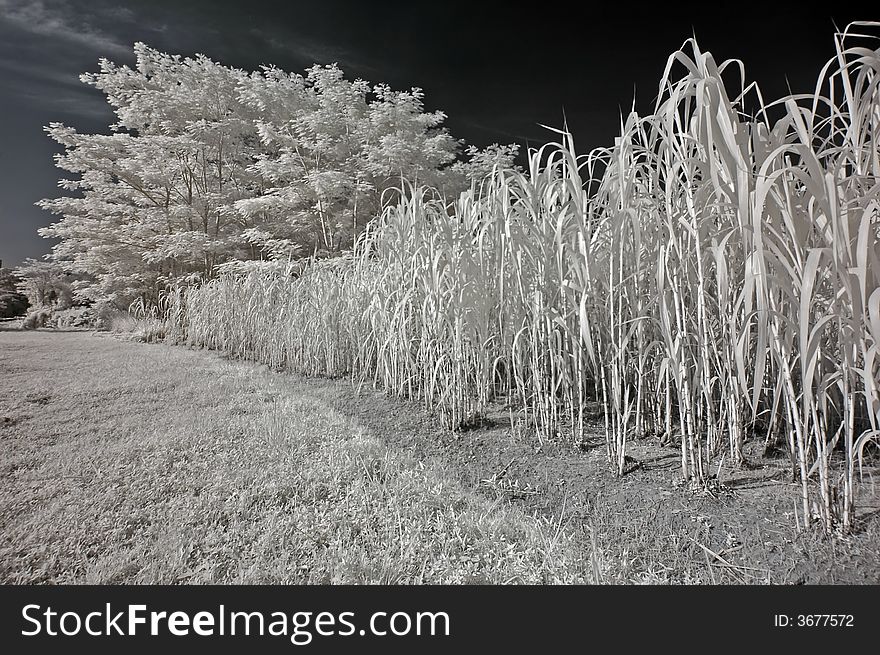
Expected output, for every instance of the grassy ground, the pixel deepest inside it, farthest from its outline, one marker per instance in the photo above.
(126, 462)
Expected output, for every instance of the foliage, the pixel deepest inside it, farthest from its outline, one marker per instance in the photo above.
(46, 284)
(208, 164)
(12, 302)
(713, 276)
(37, 319)
(8, 280)
(75, 317)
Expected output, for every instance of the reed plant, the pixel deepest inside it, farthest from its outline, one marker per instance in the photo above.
(714, 276)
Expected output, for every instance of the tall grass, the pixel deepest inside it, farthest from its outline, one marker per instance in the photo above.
(713, 276)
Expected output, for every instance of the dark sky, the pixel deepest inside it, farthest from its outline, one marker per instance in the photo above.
(497, 70)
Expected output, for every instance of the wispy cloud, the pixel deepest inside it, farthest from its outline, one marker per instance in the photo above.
(309, 50)
(491, 129)
(44, 46)
(59, 20)
(40, 73)
(69, 104)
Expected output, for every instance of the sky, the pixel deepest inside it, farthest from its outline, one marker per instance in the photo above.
(499, 70)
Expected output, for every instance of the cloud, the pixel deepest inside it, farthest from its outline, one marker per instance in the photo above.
(45, 74)
(44, 85)
(494, 129)
(308, 50)
(71, 104)
(59, 20)
(44, 46)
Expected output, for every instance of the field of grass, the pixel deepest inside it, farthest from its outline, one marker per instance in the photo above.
(125, 462)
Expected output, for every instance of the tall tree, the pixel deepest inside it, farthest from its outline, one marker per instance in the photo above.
(155, 194)
(208, 164)
(333, 147)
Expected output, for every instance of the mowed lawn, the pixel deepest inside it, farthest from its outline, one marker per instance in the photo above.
(122, 462)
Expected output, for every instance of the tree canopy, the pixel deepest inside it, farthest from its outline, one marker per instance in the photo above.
(208, 164)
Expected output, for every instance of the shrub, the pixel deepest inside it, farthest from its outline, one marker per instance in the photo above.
(13, 304)
(37, 319)
(77, 317)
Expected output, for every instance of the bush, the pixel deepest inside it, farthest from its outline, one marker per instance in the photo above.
(83, 317)
(13, 304)
(108, 317)
(37, 319)
(149, 331)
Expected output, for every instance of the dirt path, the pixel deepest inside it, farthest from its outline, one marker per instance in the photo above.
(125, 462)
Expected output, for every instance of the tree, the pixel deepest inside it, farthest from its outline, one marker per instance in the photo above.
(332, 149)
(45, 284)
(208, 164)
(155, 194)
(12, 302)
